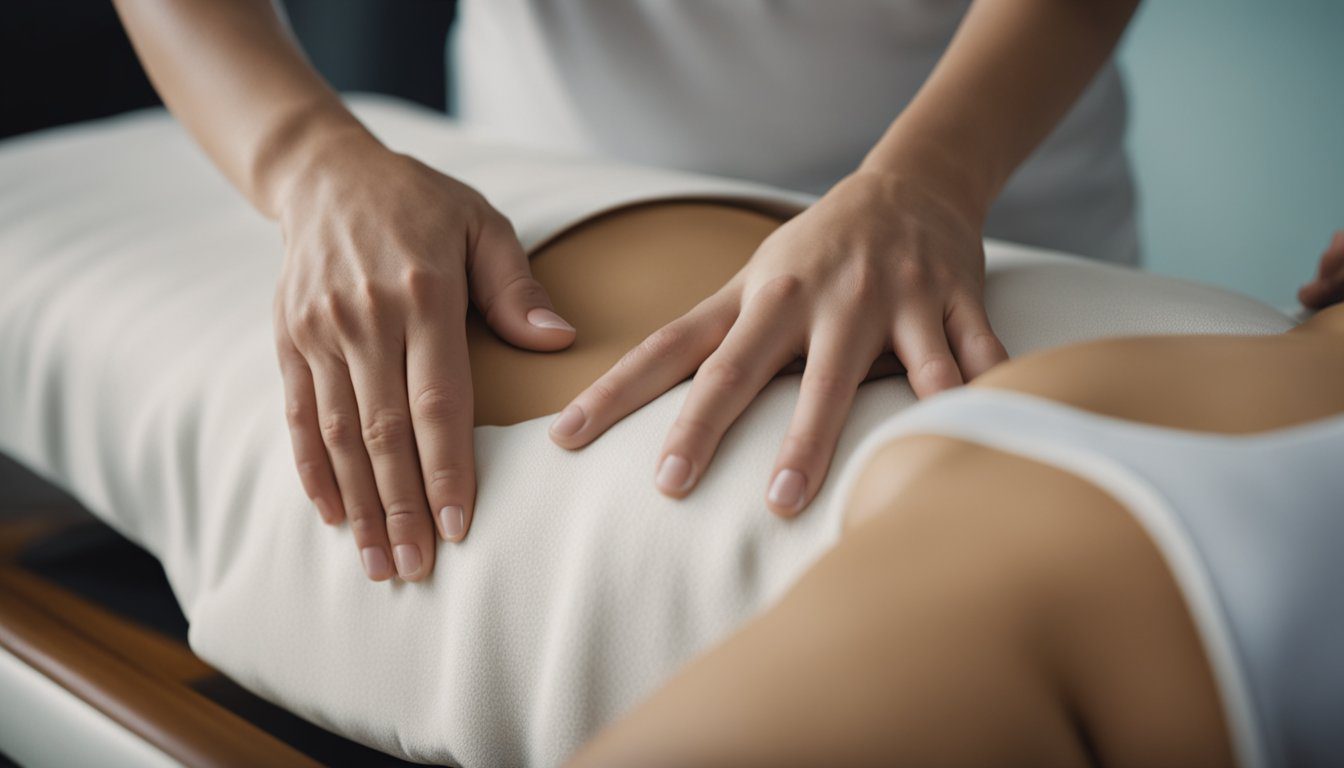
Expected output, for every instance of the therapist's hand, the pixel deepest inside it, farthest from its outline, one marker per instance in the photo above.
(880, 263)
(1328, 285)
(382, 255)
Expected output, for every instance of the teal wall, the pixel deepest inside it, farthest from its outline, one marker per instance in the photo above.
(1237, 135)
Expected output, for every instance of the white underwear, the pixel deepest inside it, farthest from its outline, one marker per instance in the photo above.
(1249, 525)
(137, 371)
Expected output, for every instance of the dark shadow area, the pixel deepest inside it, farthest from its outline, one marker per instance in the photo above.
(66, 61)
(91, 560)
(321, 745)
(100, 565)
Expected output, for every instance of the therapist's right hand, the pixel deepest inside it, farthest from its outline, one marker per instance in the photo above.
(382, 256)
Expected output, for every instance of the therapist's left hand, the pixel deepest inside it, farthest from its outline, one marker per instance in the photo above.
(882, 262)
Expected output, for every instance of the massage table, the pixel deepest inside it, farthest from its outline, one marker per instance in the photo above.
(137, 373)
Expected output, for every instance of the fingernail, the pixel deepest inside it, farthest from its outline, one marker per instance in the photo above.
(674, 474)
(786, 490)
(408, 559)
(545, 318)
(453, 520)
(375, 563)
(569, 422)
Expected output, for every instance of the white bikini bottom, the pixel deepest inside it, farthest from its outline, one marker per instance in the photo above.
(1249, 525)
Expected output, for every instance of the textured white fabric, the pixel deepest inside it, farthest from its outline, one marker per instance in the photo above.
(136, 370)
(787, 93)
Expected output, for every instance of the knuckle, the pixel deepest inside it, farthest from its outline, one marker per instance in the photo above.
(866, 280)
(633, 358)
(780, 290)
(386, 431)
(721, 374)
(336, 310)
(691, 429)
(664, 342)
(403, 512)
(338, 429)
(367, 293)
(437, 404)
(499, 221)
(366, 522)
(984, 342)
(914, 274)
(603, 395)
(310, 471)
(299, 414)
(938, 368)
(424, 287)
(831, 385)
(306, 321)
(520, 288)
(449, 477)
(526, 290)
(804, 445)
(494, 227)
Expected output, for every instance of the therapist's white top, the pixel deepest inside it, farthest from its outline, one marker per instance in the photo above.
(792, 94)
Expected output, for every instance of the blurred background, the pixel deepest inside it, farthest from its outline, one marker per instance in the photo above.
(1236, 130)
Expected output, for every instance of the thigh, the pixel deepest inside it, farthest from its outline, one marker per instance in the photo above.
(1103, 611)
(993, 611)
(617, 279)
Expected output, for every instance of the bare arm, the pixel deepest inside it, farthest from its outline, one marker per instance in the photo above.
(1009, 76)
(233, 74)
(382, 256)
(890, 260)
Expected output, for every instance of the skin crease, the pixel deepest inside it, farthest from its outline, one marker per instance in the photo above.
(371, 309)
(985, 609)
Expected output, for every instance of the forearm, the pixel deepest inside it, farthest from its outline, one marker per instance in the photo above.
(233, 74)
(1010, 74)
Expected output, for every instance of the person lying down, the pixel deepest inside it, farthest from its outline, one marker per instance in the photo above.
(1121, 552)
(982, 606)
(581, 589)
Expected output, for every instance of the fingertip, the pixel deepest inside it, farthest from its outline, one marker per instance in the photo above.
(675, 476)
(409, 561)
(546, 319)
(786, 513)
(546, 331)
(787, 494)
(1304, 294)
(1312, 295)
(331, 514)
(453, 523)
(567, 427)
(376, 565)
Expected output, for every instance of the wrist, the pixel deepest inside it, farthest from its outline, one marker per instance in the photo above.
(937, 170)
(304, 147)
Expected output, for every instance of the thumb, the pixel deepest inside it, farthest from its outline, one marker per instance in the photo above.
(514, 304)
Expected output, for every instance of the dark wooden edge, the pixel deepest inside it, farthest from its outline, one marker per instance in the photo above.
(135, 677)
